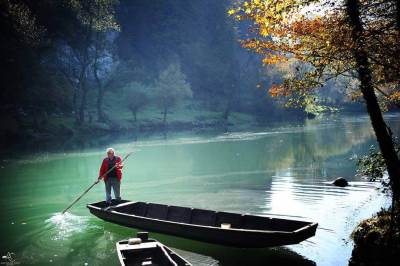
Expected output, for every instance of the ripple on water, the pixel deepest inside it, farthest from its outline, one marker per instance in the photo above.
(65, 225)
(51, 239)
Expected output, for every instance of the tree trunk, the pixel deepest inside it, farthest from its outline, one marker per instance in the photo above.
(134, 111)
(100, 93)
(83, 103)
(99, 103)
(363, 68)
(75, 104)
(398, 16)
(165, 114)
(35, 115)
(227, 112)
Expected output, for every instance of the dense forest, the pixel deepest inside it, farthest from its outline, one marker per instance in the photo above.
(73, 67)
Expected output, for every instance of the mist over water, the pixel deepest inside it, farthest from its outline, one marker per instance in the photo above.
(283, 170)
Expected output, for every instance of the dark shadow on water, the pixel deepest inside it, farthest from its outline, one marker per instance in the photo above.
(224, 255)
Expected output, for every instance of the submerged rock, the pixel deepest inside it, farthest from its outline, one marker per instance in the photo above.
(340, 182)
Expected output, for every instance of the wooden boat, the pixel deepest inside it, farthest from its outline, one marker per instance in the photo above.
(224, 228)
(144, 251)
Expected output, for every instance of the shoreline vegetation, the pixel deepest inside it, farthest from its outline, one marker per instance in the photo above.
(57, 126)
(377, 240)
(61, 128)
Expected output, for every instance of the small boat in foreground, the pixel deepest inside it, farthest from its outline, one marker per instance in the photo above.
(144, 251)
(224, 228)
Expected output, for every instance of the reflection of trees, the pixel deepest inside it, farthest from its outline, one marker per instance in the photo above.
(317, 142)
(307, 147)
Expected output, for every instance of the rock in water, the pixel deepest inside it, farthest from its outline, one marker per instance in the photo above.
(340, 182)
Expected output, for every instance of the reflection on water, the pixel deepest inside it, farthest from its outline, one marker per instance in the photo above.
(282, 170)
(66, 225)
(337, 210)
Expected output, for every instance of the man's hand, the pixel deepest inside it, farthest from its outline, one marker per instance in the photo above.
(99, 178)
(119, 166)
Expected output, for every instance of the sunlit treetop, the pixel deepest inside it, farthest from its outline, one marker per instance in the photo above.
(23, 22)
(25, 27)
(316, 34)
(98, 14)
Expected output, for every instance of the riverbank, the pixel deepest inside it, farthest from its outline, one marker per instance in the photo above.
(375, 242)
(50, 127)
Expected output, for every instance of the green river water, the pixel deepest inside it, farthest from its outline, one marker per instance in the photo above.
(283, 170)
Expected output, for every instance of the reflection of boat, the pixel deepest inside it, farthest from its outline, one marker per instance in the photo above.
(144, 251)
(223, 228)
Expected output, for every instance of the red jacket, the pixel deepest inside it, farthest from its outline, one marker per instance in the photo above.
(104, 168)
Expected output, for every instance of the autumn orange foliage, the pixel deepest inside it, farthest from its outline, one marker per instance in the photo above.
(317, 33)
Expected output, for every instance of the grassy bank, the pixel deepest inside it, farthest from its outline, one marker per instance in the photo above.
(119, 120)
(188, 116)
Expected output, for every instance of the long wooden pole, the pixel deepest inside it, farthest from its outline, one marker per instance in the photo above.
(95, 183)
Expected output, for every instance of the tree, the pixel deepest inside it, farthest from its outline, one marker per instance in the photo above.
(83, 49)
(138, 97)
(382, 131)
(21, 37)
(171, 88)
(104, 66)
(164, 31)
(321, 39)
(332, 42)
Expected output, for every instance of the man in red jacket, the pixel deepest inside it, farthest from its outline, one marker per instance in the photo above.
(113, 178)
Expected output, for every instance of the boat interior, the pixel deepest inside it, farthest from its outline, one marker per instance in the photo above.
(153, 254)
(206, 217)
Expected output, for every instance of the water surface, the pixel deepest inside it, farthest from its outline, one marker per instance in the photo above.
(283, 170)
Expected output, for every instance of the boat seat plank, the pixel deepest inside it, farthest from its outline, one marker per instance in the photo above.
(234, 219)
(157, 211)
(147, 245)
(257, 222)
(139, 209)
(179, 214)
(203, 217)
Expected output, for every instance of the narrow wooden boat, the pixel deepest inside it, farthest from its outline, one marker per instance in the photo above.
(144, 251)
(224, 228)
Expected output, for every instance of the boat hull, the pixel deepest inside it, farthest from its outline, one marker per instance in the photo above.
(229, 237)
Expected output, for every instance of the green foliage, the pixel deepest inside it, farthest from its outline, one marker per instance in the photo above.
(313, 106)
(97, 14)
(373, 164)
(171, 88)
(137, 96)
(65, 58)
(23, 22)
